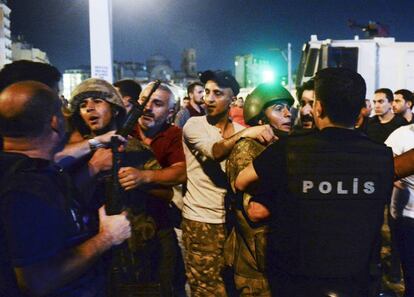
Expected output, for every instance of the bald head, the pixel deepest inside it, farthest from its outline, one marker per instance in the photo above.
(26, 109)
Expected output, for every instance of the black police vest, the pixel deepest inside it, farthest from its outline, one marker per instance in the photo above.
(331, 212)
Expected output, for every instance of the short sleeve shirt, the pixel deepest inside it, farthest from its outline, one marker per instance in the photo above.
(206, 178)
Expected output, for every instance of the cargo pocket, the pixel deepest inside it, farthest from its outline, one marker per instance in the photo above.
(260, 243)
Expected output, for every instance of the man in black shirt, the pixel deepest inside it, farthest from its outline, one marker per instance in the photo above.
(385, 121)
(45, 246)
(402, 104)
(324, 198)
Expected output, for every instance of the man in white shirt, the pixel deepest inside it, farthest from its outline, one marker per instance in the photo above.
(402, 206)
(208, 140)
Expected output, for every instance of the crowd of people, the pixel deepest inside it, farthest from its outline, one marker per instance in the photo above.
(227, 197)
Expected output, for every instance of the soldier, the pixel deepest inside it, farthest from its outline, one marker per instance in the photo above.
(325, 199)
(246, 245)
(97, 108)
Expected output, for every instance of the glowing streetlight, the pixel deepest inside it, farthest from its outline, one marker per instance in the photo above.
(288, 59)
(268, 76)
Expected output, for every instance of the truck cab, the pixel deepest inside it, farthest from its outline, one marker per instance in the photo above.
(383, 62)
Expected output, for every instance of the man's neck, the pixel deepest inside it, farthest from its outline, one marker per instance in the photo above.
(386, 117)
(32, 148)
(326, 123)
(195, 106)
(147, 135)
(220, 121)
(408, 115)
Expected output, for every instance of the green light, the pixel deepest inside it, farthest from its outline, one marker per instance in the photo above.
(268, 76)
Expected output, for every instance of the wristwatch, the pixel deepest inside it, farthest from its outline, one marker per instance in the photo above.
(95, 144)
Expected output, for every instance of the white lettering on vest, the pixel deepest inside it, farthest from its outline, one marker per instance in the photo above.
(307, 184)
(355, 186)
(325, 187)
(340, 189)
(369, 187)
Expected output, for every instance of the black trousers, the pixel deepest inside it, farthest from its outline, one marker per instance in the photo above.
(405, 234)
(285, 285)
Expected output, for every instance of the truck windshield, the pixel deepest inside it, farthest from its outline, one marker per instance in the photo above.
(344, 57)
(311, 62)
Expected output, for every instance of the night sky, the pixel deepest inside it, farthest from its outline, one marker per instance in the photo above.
(217, 29)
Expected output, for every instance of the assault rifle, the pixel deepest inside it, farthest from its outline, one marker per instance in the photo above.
(123, 279)
(114, 203)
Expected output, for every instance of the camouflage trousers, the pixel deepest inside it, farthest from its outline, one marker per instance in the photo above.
(204, 260)
(249, 287)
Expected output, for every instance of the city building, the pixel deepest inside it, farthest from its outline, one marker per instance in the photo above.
(73, 77)
(130, 70)
(159, 67)
(188, 62)
(5, 34)
(251, 70)
(22, 50)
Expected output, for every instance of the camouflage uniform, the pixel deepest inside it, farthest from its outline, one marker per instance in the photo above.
(204, 243)
(245, 247)
(132, 265)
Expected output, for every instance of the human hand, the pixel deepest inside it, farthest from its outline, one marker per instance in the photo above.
(130, 177)
(263, 133)
(101, 161)
(114, 229)
(106, 138)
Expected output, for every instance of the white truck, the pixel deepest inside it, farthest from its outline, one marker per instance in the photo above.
(383, 62)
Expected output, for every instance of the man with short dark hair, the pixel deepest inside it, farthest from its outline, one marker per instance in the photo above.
(402, 104)
(378, 129)
(47, 246)
(402, 206)
(129, 90)
(28, 70)
(325, 212)
(195, 91)
(208, 141)
(306, 97)
(384, 122)
(363, 118)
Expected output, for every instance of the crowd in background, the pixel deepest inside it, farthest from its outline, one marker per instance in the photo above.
(195, 184)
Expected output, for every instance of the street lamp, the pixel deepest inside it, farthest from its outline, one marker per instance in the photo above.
(288, 59)
(268, 76)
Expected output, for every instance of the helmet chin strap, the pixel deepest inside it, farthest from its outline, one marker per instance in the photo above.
(279, 133)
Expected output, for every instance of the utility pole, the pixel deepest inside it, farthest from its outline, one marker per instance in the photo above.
(100, 31)
(289, 62)
(288, 59)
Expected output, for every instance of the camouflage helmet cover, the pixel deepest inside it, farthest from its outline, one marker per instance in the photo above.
(96, 88)
(262, 97)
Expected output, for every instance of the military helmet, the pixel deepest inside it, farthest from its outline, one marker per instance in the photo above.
(96, 88)
(262, 97)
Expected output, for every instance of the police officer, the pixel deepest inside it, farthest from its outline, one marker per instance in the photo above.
(246, 245)
(325, 194)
